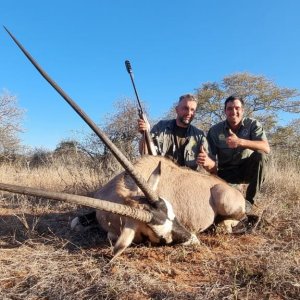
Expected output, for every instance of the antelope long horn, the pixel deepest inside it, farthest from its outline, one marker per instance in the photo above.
(139, 180)
(116, 208)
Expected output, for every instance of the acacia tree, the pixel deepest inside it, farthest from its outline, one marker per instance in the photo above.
(286, 140)
(263, 99)
(10, 124)
(121, 128)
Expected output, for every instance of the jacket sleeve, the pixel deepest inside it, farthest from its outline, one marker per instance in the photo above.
(212, 144)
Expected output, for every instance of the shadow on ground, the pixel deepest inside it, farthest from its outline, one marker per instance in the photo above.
(16, 229)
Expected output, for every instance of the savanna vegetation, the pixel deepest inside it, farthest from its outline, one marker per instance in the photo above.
(41, 258)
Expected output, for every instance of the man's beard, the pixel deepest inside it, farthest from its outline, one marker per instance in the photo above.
(184, 121)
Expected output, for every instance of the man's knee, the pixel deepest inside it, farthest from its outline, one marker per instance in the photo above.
(259, 157)
(256, 168)
(258, 160)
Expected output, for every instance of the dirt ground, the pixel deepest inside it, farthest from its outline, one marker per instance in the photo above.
(41, 258)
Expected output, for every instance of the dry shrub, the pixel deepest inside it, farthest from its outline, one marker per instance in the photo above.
(42, 259)
(77, 177)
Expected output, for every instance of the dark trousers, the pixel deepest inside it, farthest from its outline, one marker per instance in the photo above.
(252, 171)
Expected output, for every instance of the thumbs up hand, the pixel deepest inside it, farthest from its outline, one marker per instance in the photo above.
(232, 140)
(202, 157)
(205, 161)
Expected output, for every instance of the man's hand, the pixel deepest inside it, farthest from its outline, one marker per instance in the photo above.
(205, 161)
(202, 158)
(232, 141)
(143, 126)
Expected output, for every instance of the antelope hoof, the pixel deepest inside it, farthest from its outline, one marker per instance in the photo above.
(193, 240)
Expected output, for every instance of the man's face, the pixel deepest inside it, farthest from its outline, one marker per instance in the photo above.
(234, 112)
(185, 110)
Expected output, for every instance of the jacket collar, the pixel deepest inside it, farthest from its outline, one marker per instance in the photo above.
(226, 124)
(172, 125)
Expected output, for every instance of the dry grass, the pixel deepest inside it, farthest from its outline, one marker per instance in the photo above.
(42, 259)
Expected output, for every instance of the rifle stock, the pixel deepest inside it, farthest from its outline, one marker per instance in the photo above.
(148, 139)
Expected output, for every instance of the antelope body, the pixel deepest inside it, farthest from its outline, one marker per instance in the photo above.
(195, 198)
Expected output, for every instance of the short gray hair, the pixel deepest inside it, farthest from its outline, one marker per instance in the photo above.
(189, 97)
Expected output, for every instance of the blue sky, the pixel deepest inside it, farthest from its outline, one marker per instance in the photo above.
(174, 47)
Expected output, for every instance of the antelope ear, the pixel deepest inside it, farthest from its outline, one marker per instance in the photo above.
(154, 178)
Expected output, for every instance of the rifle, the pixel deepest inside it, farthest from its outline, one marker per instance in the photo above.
(147, 137)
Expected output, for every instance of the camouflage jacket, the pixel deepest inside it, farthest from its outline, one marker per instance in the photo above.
(164, 140)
